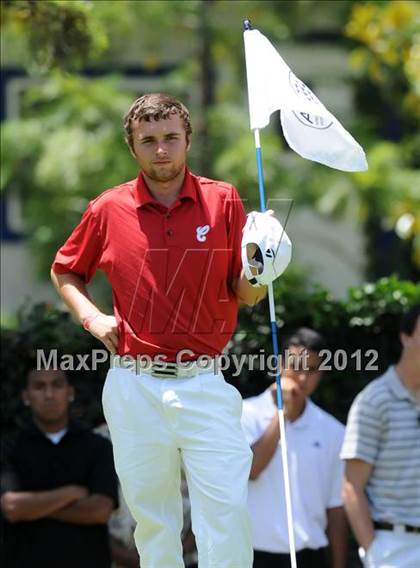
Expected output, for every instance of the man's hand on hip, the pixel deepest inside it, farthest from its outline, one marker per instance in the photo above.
(105, 329)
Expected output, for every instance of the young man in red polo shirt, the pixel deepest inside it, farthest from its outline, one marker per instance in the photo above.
(169, 243)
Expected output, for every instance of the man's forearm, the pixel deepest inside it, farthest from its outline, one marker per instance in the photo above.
(73, 291)
(357, 509)
(337, 536)
(92, 510)
(247, 294)
(33, 505)
(265, 447)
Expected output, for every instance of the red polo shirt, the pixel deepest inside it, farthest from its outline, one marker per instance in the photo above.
(171, 269)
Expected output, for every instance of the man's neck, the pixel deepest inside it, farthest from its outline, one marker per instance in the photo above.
(166, 192)
(409, 375)
(295, 411)
(51, 427)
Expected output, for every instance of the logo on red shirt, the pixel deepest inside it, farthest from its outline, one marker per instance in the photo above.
(202, 232)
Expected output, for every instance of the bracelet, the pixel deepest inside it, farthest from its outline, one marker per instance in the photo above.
(86, 322)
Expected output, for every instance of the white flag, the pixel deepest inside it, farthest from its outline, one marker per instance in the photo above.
(309, 128)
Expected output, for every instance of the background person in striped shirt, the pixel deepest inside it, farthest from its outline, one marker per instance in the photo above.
(382, 451)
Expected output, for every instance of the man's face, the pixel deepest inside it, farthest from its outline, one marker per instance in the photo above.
(302, 367)
(160, 147)
(48, 394)
(411, 345)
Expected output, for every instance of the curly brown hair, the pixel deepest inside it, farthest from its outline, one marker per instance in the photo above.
(155, 106)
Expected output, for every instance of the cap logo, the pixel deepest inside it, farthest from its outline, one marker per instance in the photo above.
(202, 232)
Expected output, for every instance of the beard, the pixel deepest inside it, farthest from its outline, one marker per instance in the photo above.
(164, 173)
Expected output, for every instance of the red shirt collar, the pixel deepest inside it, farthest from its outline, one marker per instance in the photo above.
(142, 195)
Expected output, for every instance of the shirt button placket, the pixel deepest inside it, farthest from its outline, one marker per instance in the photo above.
(168, 230)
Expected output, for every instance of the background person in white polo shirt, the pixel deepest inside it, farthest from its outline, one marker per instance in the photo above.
(382, 453)
(314, 440)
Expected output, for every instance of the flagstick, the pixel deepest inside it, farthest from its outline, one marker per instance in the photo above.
(283, 443)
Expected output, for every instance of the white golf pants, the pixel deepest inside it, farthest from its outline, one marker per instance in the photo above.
(155, 423)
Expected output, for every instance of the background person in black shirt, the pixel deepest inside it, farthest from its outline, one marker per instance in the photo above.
(58, 484)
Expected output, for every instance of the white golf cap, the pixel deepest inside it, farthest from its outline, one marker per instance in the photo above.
(274, 248)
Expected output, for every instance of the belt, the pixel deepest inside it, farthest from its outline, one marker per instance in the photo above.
(397, 527)
(163, 370)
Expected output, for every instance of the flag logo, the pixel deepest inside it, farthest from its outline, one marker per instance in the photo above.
(312, 120)
(304, 92)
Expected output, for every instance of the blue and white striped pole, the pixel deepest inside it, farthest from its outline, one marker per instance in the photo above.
(283, 444)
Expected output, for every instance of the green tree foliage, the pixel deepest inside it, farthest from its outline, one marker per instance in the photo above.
(67, 147)
(387, 65)
(389, 53)
(385, 199)
(57, 33)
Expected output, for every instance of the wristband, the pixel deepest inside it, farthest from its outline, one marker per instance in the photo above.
(86, 322)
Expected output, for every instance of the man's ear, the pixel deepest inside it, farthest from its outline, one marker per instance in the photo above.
(130, 147)
(132, 152)
(188, 142)
(25, 398)
(404, 339)
(71, 393)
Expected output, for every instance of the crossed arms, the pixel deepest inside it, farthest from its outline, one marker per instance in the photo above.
(70, 504)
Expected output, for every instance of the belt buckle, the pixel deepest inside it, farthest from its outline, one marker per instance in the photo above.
(162, 370)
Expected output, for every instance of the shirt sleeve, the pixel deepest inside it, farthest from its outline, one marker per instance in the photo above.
(236, 222)
(81, 253)
(103, 478)
(363, 431)
(250, 423)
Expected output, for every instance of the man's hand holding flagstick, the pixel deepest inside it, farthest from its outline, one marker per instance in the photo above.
(314, 133)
